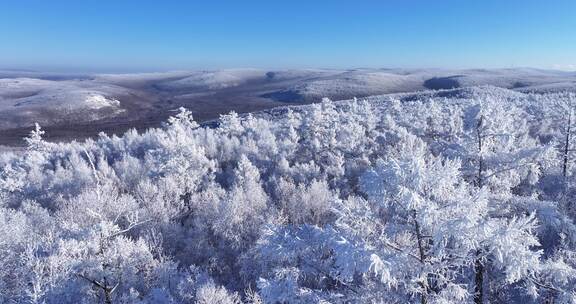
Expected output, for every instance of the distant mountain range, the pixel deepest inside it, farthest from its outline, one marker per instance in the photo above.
(75, 106)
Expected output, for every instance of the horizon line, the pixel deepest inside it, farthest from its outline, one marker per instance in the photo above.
(142, 70)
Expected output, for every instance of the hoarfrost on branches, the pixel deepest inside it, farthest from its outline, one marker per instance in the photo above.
(422, 199)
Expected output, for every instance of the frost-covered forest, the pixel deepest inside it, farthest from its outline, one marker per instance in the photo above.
(458, 196)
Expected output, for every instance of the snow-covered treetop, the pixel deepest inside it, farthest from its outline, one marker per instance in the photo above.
(455, 196)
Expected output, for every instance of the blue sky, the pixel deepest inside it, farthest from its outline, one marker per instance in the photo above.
(127, 35)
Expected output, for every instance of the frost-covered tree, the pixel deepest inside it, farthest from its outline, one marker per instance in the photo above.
(444, 224)
(457, 196)
(35, 141)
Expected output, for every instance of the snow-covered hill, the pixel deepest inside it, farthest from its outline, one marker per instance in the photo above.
(348, 84)
(24, 101)
(116, 102)
(213, 80)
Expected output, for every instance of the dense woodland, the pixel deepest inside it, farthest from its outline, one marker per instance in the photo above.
(462, 196)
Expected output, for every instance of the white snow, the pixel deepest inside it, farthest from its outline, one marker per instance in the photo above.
(139, 78)
(368, 82)
(219, 79)
(26, 97)
(28, 92)
(352, 201)
(97, 101)
(24, 101)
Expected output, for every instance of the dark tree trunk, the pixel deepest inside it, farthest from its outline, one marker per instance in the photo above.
(421, 251)
(567, 145)
(480, 178)
(479, 288)
(478, 266)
